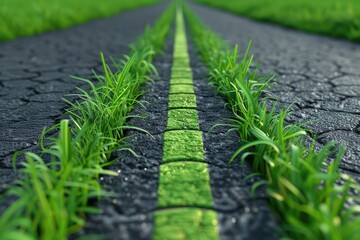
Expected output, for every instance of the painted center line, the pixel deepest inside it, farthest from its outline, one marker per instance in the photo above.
(184, 193)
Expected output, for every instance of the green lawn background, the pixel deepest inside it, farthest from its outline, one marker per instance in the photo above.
(29, 17)
(340, 18)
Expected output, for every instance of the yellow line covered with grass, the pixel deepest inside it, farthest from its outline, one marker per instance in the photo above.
(184, 193)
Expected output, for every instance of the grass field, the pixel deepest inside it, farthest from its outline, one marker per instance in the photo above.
(340, 18)
(23, 18)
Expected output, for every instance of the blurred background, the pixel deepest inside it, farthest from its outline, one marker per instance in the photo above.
(340, 18)
(29, 17)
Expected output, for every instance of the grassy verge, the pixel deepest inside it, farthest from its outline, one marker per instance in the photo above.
(24, 18)
(332, 17)
(53, 195)
(303, 184)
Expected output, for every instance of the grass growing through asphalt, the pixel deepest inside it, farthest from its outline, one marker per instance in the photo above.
(330, 17)
(53, 195)
(186, 223)
(184, 184)
(24, 18)
(184, 190)
(303, 183)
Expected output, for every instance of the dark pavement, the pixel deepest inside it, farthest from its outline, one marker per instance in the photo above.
(34, 76)
(321, 75)
(130, 213)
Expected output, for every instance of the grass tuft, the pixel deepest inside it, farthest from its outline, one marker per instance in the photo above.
(53, 194)
(303, 183)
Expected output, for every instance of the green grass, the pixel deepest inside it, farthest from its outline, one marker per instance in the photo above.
(184, 181)
(183, 145)
(180, 81)
(339, 18)
(182, 101)
(181, 88)
(53, 195)
(186, 224)
(303, 183)
(184, 184)
(23, 18)
(182, 119)
(180, 74)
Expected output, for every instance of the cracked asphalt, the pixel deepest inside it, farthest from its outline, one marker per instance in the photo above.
(320, 74)
(130, 213)
(34, 76)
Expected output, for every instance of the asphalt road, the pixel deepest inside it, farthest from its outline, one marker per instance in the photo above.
(320, 75)
(130, 213)
(34, 76)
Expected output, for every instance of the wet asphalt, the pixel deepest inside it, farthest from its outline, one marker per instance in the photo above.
(319, 74)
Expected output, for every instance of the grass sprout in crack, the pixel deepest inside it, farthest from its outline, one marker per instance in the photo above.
(53, 196)
(303, 183)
